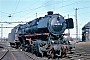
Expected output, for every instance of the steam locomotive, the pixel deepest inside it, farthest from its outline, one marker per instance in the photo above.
(43, 36)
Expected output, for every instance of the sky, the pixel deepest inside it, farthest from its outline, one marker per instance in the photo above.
(25, 10)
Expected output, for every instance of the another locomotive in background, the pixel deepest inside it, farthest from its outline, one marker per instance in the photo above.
(43, 36)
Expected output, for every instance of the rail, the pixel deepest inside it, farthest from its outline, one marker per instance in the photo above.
(4, 55)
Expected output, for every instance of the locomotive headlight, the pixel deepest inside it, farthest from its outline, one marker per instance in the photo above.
(69, 41)
(52, 41)
(57, 25)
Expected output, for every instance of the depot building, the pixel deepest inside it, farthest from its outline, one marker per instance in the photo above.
(86, 32)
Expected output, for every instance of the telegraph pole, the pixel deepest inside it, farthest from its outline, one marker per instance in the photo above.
(76, 24)
(1, 32)
(68, 29)
(36, 15)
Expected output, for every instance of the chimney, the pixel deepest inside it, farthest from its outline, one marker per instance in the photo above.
(50, 12)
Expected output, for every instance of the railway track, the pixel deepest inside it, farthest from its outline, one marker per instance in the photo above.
(82, 52)
(9, 53)
(3, 52)
(28, 55)
(34, 57)
(12, 54)
(15, 54)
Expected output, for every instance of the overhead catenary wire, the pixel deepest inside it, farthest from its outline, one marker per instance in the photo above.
(60, 7)
(10, 15)
(39, 8)
(6, 27)
(16, 6)
(84, 13)
(44, 6)
(82, 8)
(3, 12)
(70, 4)
(14, 10)
(14, 22)
(52, 4)
(26, 9)
(34, 14)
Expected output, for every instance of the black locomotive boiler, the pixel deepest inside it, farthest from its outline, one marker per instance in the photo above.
(43, 36)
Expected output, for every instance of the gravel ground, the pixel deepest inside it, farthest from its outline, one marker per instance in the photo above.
(84, 49)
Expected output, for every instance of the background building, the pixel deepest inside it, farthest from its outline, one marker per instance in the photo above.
(86, 32)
